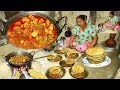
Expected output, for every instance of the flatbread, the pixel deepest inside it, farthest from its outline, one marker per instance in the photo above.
(71, 51)
(64, 50)
(70, 61)
(95, 51)
(55, 70)
(51, 57)
(77, 69)
(5, 71)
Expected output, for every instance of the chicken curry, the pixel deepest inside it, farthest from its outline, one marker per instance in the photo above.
(31, 32)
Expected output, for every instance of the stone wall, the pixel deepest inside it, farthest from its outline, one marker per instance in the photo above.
(73, 14)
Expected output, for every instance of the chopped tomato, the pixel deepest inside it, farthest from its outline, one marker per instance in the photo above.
(35, 33)
(32, 40)
(45, 35)
(41, 20)
(47, 23)
(18, 23)
(51, 27)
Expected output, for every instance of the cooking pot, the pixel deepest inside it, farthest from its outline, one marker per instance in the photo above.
(30, 55)
(52, 20)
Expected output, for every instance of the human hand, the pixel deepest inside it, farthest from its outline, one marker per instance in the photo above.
(113, 27)
(70, 45)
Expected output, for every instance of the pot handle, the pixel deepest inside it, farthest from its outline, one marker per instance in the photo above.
(4, 23)
(66, 19)
(32, 53)
(3, 56)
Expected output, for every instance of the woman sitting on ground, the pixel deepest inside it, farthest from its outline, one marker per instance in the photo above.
(83, 35)
(112, 21)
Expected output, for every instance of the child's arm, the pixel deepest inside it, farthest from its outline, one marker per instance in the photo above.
(105, 21)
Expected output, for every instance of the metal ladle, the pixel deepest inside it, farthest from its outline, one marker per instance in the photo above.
(51, 47)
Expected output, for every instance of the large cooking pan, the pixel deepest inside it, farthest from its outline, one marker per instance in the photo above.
(30, 55)
(52, 20)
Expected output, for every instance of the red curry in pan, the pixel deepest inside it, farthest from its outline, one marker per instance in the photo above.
(31, 32)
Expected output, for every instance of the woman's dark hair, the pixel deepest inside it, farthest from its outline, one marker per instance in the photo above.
(112, 12)
(83, 17)
(100, 25)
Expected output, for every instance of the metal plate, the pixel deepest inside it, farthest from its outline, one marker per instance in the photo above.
(63, 70)
(88, 64)
(63, 64)
(85, 74)
(76, 56)
(56, 58)
(58, 51)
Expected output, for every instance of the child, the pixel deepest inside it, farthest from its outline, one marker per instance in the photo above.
(100, 28)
